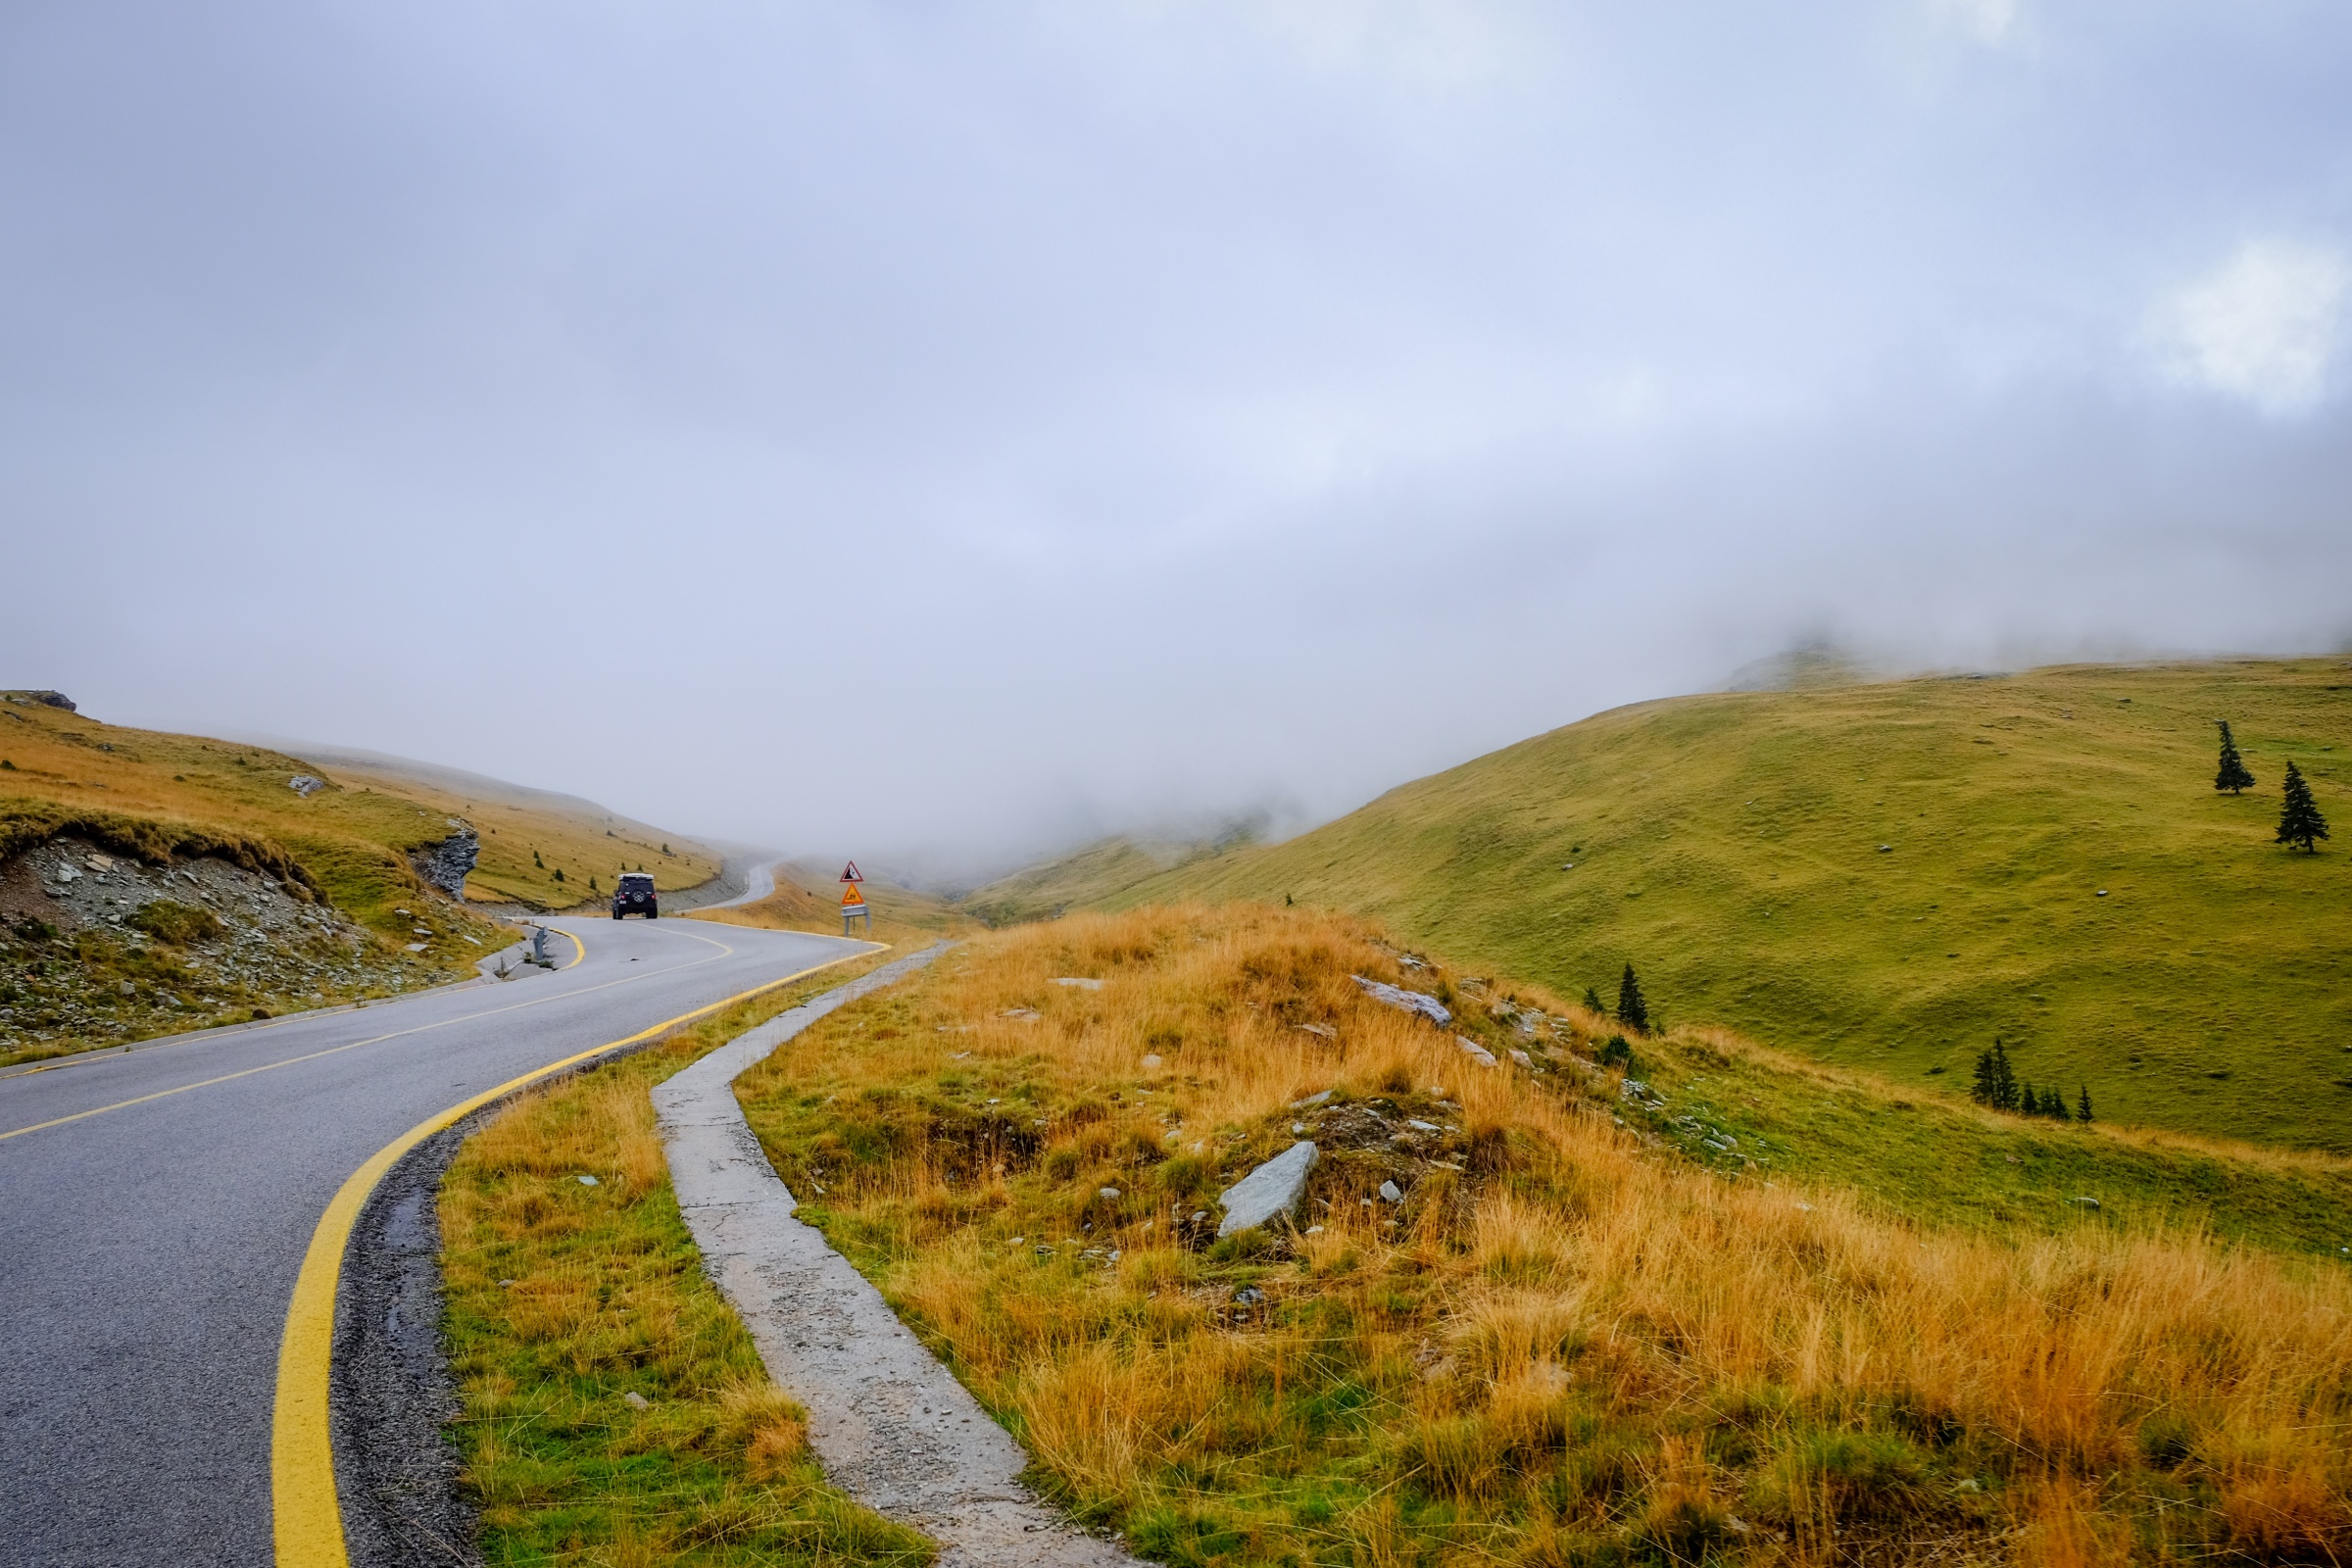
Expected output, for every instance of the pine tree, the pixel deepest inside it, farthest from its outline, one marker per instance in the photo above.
(1996, 1082)
(1593, 1001)
(1631, 1010)
(2027, 1102)
(558, 873)
(1986, 1091)
(2232, 775)
(2299, 818)
(535, 861)
(2082, 1106)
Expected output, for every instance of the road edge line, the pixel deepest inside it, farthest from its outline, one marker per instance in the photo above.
(306, 1513)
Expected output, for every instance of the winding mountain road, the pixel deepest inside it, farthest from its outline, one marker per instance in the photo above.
(155, 1206)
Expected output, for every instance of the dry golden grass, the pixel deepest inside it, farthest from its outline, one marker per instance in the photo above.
(1565, 1345)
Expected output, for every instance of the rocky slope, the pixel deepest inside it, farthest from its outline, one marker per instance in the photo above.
(98, 947)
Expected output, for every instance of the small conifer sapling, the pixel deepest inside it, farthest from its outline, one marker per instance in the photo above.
(2082, 1106)
(2299, 818)
(2232, 775)
(1593, 1003)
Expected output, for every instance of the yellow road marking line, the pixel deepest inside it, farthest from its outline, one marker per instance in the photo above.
(306, 1517)
(375, 1040)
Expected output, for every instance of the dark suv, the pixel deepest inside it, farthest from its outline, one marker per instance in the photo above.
(634, 895)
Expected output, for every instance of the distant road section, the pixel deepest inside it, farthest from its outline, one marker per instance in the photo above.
(157, 1205)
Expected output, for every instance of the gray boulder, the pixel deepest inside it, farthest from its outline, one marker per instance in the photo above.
(1273, 1190)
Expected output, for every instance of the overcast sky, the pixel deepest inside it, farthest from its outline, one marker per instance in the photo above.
(951, 428)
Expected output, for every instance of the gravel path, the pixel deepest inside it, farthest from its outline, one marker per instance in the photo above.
(892, 1426)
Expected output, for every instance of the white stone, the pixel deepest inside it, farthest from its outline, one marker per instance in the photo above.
(1476, 1052)
(1391, 1191)
(1272, 1190)
(1082, 985)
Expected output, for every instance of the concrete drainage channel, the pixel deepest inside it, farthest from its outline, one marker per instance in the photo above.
(892, 1426)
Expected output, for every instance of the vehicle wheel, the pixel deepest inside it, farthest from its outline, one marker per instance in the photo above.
(615, 915)
(653, 914)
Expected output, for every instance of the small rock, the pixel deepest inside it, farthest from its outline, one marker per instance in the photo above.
(1024, 1015)
(1081, 985)
(2086, 1202)
(306, 785)
(1107, 1193)
(1314, 1230)
(1969, 1486)
(1311, 1100)
(1524, 1060)
(415, 946)
(1152, 1063)
(1017, 1241)
(1271, 1191)
(1476, 1052)
(1321, 1031)
(1297, 1129)
(2102, 893)
(588, 1181)
(1423, 1126)
(1391, 1191)
(636, 1401)
(1248, 1295)
(1885, 849)
(100, 863)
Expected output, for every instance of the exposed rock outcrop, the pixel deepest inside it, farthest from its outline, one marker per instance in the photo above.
(446, 863)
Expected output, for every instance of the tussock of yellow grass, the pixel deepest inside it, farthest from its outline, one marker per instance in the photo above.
(1575, 1347)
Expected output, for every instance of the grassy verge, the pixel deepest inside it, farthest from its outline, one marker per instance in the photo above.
(565, 1299)
(1564, 1340)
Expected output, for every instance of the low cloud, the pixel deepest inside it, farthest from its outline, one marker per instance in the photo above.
(2263, 327)
(1991, 23)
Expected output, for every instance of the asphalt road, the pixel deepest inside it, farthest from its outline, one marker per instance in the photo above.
(148, 1252)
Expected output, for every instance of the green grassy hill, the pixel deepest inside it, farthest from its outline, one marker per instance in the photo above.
(1887, 876)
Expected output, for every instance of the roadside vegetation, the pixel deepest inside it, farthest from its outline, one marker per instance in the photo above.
(1703, 1303)
(613, 1411)
(1890, 877)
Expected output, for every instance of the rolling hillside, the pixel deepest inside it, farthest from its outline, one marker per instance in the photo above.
(151, 883)
(528, 835)
(1887, 876)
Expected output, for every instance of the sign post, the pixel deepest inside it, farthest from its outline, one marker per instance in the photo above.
(853, 902)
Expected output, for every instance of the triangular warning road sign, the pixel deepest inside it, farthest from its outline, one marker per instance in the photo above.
(851, 897)
(851, 874)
